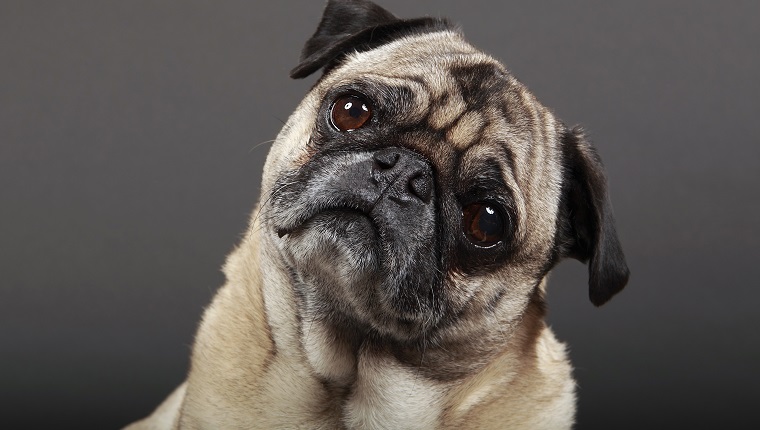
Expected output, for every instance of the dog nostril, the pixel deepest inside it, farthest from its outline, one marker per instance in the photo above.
(402, 174)
(422, 186)
(386, 159)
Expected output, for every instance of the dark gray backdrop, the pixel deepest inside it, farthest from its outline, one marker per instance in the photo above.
(132, 136)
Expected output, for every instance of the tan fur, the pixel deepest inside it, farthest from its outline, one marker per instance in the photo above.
(466, 129)
(259, 362)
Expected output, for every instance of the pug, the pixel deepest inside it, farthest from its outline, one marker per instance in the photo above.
(393, 273)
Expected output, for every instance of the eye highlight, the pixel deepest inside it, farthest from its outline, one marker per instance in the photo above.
(483, 224)
(350, 112)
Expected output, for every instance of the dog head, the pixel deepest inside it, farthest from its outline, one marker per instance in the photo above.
(419, 186)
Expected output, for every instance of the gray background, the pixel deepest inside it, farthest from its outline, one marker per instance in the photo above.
(132, 136)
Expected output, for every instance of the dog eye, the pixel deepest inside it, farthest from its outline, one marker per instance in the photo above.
(483, 224)
(350, 112)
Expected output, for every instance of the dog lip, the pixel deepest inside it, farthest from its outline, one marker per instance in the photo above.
(364, 210)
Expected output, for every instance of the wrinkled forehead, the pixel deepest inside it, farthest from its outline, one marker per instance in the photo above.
(439, 82)
(434, 65)
(419, 54)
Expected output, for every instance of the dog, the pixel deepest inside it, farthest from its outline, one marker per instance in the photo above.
(393, 273)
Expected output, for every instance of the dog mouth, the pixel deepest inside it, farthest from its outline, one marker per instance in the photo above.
(347, 213)
(355, 228)
(363, 235)
(379, 300)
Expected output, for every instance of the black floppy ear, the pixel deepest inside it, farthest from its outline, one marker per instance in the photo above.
(340, 20)
(587, 228)
(354, 25)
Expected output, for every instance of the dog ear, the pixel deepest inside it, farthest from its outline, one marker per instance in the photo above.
(587, 226)
(354, 25)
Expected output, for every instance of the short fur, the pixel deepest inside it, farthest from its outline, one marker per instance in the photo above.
(355, 300)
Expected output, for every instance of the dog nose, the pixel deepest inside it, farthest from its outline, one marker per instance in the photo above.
(398, 165)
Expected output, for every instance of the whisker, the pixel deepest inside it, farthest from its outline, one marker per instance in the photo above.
(260, 144)
(262, 205)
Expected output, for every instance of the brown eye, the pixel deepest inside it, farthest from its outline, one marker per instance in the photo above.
(350, 112)
(483, 224)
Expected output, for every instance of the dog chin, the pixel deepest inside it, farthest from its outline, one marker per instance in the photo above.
(338, 257)
(335, 246)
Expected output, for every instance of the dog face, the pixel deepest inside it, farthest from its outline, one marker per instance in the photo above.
(419, 188)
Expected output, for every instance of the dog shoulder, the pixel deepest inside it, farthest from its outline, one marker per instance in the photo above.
(166, 416)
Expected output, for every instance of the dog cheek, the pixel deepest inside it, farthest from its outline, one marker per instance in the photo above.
(287, 149)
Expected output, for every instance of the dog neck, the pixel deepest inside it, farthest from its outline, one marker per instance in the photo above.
(335, 347)
(387, 383)
(343, 378)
